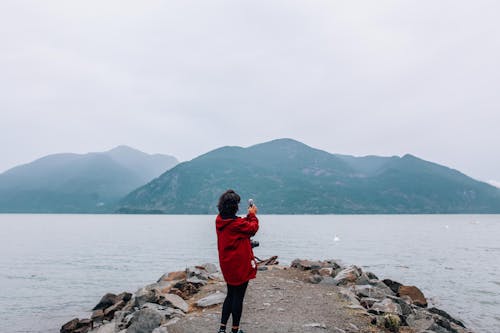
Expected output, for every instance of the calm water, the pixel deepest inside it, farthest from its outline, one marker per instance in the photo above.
(56, 267)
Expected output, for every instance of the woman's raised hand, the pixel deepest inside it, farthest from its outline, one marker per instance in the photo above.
(252, 209)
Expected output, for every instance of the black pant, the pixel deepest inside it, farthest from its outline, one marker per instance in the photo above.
(233, 304)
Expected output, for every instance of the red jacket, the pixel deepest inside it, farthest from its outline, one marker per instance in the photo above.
(236, 257)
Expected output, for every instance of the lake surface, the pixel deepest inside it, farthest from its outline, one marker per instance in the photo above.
(56, 267)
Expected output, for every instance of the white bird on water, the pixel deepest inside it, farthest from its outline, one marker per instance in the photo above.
(336, 238)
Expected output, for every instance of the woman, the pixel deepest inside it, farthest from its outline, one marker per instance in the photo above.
(236, 257)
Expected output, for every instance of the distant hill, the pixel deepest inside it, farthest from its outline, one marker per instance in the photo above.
(288, 177)
(78, 183)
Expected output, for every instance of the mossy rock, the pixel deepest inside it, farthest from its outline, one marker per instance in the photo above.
(392, 322)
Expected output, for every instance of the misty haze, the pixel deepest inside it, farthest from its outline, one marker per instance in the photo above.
(363, 132)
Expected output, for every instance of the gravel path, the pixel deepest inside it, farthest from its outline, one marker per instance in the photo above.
(282, 301)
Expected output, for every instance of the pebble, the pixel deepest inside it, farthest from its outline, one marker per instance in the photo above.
(318, 325)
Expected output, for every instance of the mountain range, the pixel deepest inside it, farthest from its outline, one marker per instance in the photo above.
(285, 176)
(79, 183)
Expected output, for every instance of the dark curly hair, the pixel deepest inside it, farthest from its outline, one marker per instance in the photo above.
(228, 204)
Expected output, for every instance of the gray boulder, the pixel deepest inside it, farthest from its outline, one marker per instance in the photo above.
(306, 265)
(367, 302)
(197, 271)
(444, 314)
(122, 319)
(110, 312)
(328, 280)
(144, 295)
(174, 301)
(406, 308)
(165, 311)
(197, 281)
(371, 291)
(394, 285)
(213, 299)
(210, 268)
(315, 278)
(420, 321)
(349, 296)
(145, 321)
(106, 328)
(386, 306)
(348, 275)
(326, 271)
(106, 301)
(363, 279)
(161, 329)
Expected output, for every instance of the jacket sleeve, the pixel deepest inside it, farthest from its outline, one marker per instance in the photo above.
(248, 226)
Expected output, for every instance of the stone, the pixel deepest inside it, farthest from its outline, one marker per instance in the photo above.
(130, 305)
(106, 328)
(415, 294)
(162, 287)
(262, 268)
(145, 295)
(124, 296)
(122, 319)
(348, 275)
(109, 312)
(185, 289)
(406, 308)
(420, 322)
(386, 306)
(161, 329)
(328, 280)
(367, 302)
(316, 325)
(444, 323)
(144, 321)
(210, 268)
(444, 314)
(106, 301)
(196, 280)
(315, 278)
(165, 311)
(371, 291)
(84, 322)
(218, 276)
(349, 296)
(326, 271)
(392, 284)
(84, 329)
(306, 265)
(371, 276)
(332, 263)
(175, 301)
(213, 299)
(97, 315)
(383, 286)
(197, 271)
(70, 326)
(172, 276)
(362, 279)
(392, 322)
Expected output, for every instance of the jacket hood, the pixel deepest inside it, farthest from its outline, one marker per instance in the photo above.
(221, 223)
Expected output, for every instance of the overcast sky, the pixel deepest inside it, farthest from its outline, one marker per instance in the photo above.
(185, 77)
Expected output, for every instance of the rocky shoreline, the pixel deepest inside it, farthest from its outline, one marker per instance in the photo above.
(339, 298)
